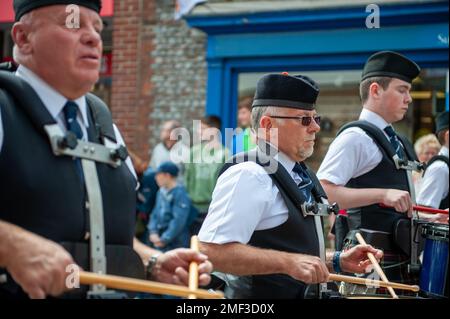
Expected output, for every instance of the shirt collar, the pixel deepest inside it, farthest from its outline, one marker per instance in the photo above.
(444, 151)
(373, 118)
(52, 99)
(282, 158)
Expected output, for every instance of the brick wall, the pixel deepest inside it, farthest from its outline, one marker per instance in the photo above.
(159, 71)
(130, 96)
(179, 70)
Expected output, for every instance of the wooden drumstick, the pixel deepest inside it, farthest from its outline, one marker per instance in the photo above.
(371, 282)
(376, 265)
(137, 285)
(193, 269)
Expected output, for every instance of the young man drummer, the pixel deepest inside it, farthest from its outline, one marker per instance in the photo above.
(357, 172)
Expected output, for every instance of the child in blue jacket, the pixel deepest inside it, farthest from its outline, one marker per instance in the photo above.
(173, 212)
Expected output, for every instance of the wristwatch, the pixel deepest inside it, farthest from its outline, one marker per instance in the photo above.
(151, 266)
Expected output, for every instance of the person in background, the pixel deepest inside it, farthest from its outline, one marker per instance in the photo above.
(426, 147)
(169, 220)
(206, 160)
(169, 149)
(434, 192)
(146, 199)
(245, 140)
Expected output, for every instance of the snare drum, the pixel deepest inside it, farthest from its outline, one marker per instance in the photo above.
(434, 272)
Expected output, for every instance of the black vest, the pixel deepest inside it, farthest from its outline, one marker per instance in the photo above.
(385, 175)
(42, 193)
(445, 201)
(297, 235)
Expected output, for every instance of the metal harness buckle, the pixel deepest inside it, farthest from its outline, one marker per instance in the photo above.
(70, 146)
(319, 209)
(408, 165)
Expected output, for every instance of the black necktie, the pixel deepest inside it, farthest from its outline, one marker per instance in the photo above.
(306, 185)
(70, 112)
(395, 142)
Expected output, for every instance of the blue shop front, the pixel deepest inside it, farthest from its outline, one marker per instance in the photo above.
(328, 42)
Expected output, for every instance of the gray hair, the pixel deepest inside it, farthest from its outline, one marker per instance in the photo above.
(259, 112)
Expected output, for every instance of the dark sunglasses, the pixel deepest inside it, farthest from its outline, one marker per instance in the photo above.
(305, 120)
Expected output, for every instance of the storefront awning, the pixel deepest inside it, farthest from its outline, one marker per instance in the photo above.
(7, 12)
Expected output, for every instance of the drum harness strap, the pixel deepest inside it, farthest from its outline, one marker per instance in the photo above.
(89, 153)
(405, 164)
(436, 158)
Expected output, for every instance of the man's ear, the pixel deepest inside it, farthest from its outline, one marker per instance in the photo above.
(265, 122)
(20, 36)
(375, 90)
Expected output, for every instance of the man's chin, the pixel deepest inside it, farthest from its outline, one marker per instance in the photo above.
(306, 154)
(90, 80)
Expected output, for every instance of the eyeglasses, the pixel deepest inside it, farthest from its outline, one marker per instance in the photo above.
(305, 120)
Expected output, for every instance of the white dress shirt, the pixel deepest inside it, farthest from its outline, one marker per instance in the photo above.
(54, 102)
(245, 200)
(434, 187)
(353, 153)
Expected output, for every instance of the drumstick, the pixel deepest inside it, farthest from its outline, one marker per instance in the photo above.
(430, 210)
(371, 282)
(193, 269)
(137, 285)
(377, 267)
(422, 209)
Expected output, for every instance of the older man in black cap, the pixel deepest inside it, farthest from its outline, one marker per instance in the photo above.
(263, 230)
(359, 171)
(64, 172)
(435, 180)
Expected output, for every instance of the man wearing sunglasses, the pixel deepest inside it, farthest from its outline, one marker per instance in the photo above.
(259, 232)
(359, 174)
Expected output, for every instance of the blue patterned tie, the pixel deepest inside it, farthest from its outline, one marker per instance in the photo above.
(70, 112)
(306, 185)
(395, 142)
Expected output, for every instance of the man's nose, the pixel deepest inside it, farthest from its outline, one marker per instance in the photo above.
(314, 127)
(408, 98)
(91, 37)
